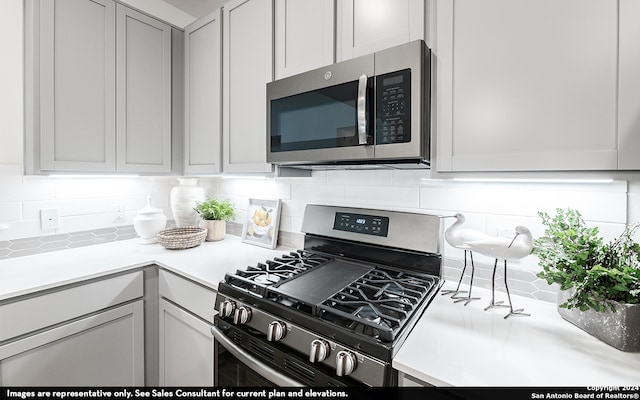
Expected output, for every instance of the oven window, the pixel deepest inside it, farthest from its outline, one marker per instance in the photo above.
(231, 372)
(323, 118)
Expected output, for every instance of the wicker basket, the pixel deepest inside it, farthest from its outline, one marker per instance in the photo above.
(181, 238)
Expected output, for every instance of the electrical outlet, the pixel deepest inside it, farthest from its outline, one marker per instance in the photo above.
(49, 219)
(118, 214)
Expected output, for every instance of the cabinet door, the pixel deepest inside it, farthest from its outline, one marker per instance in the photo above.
(77, 85)
(526, 85)
(366, 26)
(105, 349)
(143, 93)
(304, 35)
(203, 93)
(629, 86)
(186, 348)
(247, 67)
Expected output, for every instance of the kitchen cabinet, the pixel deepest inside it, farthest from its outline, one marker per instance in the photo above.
(77, 76)
(366, 26)
(203, 95)
(143, 93)
(629, 86)
(247, 58)
(186, 343)
(55, 340)
(304, 36)
(100, 95)
(527, 85)
(317, 33)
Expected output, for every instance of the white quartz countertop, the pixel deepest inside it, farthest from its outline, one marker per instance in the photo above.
(452, 344)
(458, 345)
(206, 263)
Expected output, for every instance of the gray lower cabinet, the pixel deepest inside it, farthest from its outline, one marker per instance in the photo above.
(186, 343)
(98, 88)
(52, 339)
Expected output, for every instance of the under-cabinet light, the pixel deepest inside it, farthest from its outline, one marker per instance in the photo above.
(63, 176)
(525, 180)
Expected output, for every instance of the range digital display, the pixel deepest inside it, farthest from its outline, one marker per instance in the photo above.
(359, 223)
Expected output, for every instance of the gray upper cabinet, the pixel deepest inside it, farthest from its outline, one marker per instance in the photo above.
(143, 93)
(365, 26)
(77, 77)
(101, 98)
(529, 86)
(629, 86)
(304, 35)
(247, 59)
(203, 95)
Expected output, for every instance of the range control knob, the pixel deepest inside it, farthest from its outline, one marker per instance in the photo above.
(345, 363)
(227, 308)
(276, 331)
(319, 350)
(242, 315)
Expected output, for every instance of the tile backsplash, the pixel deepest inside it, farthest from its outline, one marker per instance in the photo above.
(86, 209)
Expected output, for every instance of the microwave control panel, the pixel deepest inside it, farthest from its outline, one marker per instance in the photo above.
(393, 105)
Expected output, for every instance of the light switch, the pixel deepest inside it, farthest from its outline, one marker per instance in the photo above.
(49, 219)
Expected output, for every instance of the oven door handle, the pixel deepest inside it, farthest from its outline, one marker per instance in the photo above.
(362, 110)
(256, 365)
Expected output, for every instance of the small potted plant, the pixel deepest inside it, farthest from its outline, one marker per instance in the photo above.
(215, 214)
(599, 282)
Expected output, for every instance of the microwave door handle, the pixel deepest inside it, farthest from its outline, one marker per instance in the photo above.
(362, 110)
(250, 361)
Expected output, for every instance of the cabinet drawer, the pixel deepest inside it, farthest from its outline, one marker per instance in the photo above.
(56, 306)
(188, 294)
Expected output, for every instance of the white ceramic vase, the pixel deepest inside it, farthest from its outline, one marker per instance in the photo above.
(183, 198)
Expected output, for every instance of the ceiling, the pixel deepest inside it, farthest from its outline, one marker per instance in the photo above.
(196, 8)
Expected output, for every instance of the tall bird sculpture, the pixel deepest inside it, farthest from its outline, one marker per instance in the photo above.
(458, 237)
(502, 248)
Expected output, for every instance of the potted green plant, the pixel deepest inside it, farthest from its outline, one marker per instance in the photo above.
(215, 214)
(599, 282)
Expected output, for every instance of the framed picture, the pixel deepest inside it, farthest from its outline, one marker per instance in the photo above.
(262, 223)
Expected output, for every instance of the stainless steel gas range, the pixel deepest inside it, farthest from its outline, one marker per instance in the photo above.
(335, 312)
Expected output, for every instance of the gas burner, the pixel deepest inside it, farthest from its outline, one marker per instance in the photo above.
(267, 279)
(368, 313)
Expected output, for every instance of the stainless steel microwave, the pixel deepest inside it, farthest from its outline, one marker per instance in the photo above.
(372, 110)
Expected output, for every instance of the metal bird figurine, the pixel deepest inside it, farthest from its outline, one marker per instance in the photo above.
(458, 237)
(506, 249)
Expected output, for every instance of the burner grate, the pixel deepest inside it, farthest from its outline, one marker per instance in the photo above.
(256, 279)
(379, 303)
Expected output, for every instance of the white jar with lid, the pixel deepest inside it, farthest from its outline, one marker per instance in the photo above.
(149, 222)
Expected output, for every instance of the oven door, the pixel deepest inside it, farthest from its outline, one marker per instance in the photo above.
(244, 359)
(322, 115)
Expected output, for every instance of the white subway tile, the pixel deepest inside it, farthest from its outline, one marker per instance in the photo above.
(385, 197)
